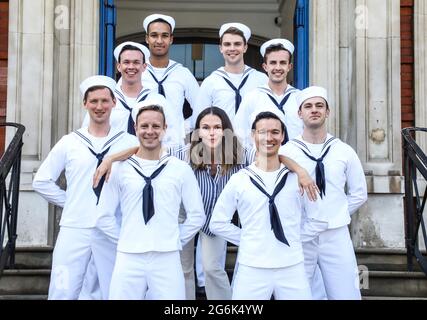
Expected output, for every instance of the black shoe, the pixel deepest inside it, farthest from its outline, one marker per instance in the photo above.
(200, 291)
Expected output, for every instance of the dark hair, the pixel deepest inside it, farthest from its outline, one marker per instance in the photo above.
(132, 48)
(271, 115)
(197, 148)
(162, 21)
(151, 107)
(276, 47)
(233, 30)
(94, 88)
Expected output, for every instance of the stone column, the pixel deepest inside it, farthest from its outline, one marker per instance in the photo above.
(378, 96)
(355, 54)
(52, 47)
(324, 53)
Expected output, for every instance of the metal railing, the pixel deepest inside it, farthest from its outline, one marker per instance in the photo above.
(10, 168)
(415, 161)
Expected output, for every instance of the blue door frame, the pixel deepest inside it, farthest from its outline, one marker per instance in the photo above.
(302, 36)
(107, 36)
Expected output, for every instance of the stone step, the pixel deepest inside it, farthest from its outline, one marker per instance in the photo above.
(23, 297)
(396, 284)
(384, 259)
(374, 259)
(24, 282)
(33, 258)
(392, 298)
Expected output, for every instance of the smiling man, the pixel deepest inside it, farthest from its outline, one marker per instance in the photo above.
(149, 188)
(226, 86)
(79, 153)
(276, 94)
(341, 180)
(131, 60)
(275, 220)
(170, 78)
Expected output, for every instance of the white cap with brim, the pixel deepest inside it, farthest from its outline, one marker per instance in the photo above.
(311, 92)
(154, 99)
(157, 16)
(97, 81)
(286, 44)
(274, 110)
(240, 26)
(141, 47)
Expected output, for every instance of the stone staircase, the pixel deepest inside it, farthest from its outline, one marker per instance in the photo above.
(388, 277)
(29, 280)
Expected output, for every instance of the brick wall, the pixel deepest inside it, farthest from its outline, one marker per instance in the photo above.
(4, 30)
(407, 63)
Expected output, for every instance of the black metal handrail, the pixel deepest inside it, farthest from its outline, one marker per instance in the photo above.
(415, 160)
(10, 169)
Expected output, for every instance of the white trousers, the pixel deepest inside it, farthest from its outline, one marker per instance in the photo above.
(69, 263)
(317, 287)
(213, 250)
(90, 288)
(288, 283)
(333, 251)
(104, 255)
(134, 273)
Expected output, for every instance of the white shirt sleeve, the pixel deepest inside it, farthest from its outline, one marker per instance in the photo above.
(109, 202)
(193, 205)
(223, 212)
(191, 94)
(45, 179)
(313, 221)
(356, 183)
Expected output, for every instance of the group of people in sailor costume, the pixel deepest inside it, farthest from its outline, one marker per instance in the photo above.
(137, 194)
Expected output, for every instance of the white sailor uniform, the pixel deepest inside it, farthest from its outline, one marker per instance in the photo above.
(177, 84)
(148, 250)
(263, 99)
(269, 262)
(333, 250)
(226, 90)
(79, 154)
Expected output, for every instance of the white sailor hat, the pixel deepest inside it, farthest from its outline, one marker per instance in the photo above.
(97, 81)
(268, 108)
(141, 47)
(311, 92)
(153, 99)
(156, 16)
(286, 44)
(245, 29)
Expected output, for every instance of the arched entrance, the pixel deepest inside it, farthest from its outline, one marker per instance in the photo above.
(197, 48)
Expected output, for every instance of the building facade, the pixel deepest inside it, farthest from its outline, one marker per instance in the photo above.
(360, 50)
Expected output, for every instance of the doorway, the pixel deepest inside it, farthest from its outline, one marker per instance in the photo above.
(197, 48)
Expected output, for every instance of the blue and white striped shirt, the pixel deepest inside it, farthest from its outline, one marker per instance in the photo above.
(212, 186)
